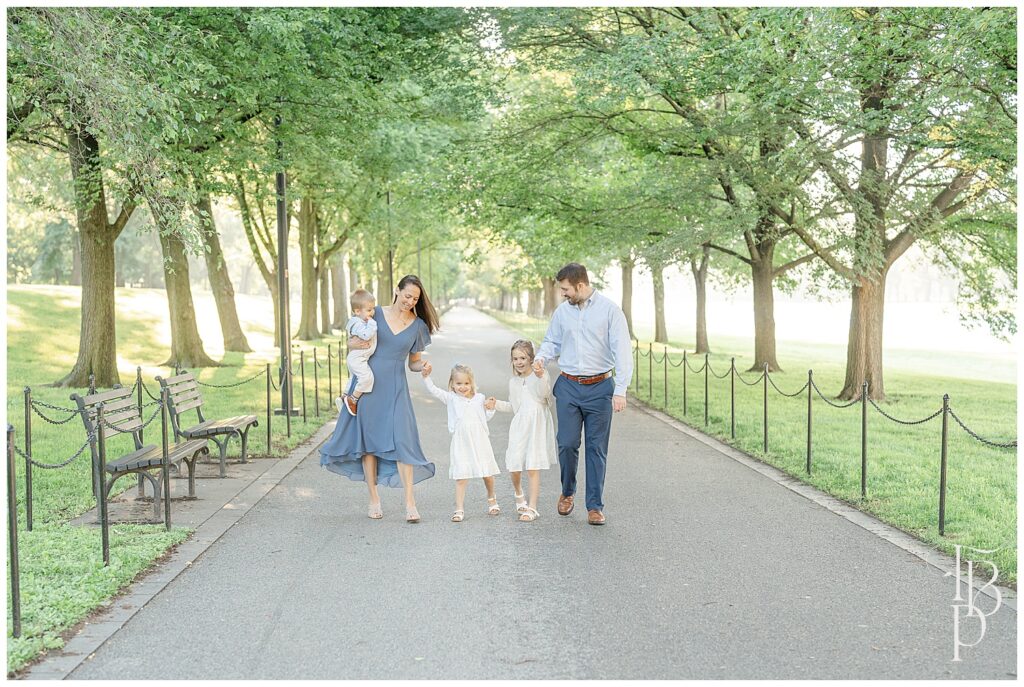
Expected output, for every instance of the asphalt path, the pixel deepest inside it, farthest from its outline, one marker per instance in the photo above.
(706, 570)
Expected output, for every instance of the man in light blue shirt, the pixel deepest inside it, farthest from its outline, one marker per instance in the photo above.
(589, 337)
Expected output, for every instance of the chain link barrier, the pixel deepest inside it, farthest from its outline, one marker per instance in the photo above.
(55, 466)
(74, 413)
(698, 371)
(715, 374)
(753, 383)
(234, 384)
(903, 422)
(145, 424)
(792, 395)
(994, 444)
(834, 405)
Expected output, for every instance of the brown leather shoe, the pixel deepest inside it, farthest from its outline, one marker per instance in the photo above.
(595, 517)
(352, 404)
(565, 505)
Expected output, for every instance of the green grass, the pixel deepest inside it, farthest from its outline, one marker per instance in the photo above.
(62, 576)
(903, 461)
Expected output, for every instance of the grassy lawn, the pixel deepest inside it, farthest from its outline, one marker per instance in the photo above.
(62, 576)
(903, 461)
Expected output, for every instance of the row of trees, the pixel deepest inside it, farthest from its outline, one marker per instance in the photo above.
(775, 147)
(795, 145)
(163, 109)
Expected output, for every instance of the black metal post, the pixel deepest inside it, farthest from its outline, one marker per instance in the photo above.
(138, 385)
(269, 413)
(636, 364)
(28, 458)
(732, 397)
(810, 384)
(302, 373)
(391, 254)
(165, 467)
(330, 376)
(666, 377)
(706, 397)
(864, 440)
(765, 418)
(685, 364)
(316, 385)
(12, 534)
(281, 185)
(92, 381)
(650, 371)
(287, 379)
(101, 498)
(942, 468)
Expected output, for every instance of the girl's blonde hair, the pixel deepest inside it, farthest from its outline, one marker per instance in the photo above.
(526, 346)
(459, 368)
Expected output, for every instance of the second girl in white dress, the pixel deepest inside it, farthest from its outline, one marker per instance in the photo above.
(531, 436)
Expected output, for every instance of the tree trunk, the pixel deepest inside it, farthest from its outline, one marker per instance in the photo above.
(353, 280)
(97, 343)
(700, 279)
(384, 295)
(186, 346)
(550, 296)
(536, 303)
(762, 274)
(307, 238)
(76, 259)
(325, 302)
(339, 284)
(864, 347)
(628, 263)
(220, 281)
(660, 330)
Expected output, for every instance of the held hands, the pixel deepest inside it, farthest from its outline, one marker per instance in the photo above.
(427, 369)
(490, 403)
(618, 403)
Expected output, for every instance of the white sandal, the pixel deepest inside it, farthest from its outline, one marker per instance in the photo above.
(493, 508)
(458, 516)
(520, 502)
(528, 515)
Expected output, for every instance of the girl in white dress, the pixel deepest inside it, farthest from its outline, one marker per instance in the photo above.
(470, 454)
(531, 436)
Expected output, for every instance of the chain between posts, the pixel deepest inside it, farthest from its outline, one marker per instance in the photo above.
(994, 444)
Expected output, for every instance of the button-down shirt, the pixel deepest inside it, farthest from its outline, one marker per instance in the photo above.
(589, 339)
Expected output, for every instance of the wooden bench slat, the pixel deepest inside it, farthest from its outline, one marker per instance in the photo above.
(126, 402)
(104, 396)
(180, 408)
(151, 456)
(177, 379)
(182, 386)
(121, 417)
(180, 397)
(225, 426)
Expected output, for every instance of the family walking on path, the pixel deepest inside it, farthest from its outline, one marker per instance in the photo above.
(376, 441)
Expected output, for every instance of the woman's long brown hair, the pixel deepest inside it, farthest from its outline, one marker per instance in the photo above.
(424, 308)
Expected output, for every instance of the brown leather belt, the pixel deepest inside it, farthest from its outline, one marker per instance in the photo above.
(593, 379)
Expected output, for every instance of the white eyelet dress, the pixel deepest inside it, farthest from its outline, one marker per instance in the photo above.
(531, 435)
(470, 454)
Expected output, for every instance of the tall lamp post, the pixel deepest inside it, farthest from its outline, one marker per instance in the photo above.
(282, 283)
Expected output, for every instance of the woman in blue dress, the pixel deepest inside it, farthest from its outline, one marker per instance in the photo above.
(381, 445)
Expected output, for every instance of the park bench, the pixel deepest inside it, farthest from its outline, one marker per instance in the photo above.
(122, 415)
(184, 395)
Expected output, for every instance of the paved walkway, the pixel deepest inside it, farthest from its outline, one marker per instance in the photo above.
(706, 569)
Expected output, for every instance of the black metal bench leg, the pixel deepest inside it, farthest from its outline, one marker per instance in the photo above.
(245, 444)
(142, 491)
(158, 494)
(223, 446)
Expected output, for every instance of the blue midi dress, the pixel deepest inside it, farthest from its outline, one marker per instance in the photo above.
(385, 424)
